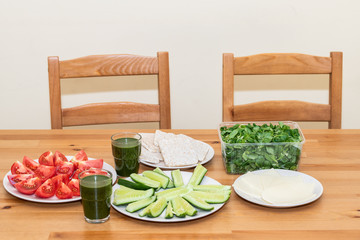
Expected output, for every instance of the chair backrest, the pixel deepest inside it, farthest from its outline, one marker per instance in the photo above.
(114, 112)
(283, 63)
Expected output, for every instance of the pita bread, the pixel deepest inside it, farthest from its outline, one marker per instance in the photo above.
(147, 141)
(151, 157)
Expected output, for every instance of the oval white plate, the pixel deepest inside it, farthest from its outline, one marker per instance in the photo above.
(186, 177)
(162, 165)
(32, 198)
(309, 179)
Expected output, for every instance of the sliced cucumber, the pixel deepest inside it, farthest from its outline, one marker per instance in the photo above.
(190, 210)
(144, 180)
(123, 196)
(213, 197)
(133, 185)
(168, 191)
(135, 206)
(177, 178)
(198, 175)
(179, 193)
(178, 207)
(145, 211)
(211, 188)
(169, 211)
(171, 183)
(158, 207)
(164, 181)
(197, 202)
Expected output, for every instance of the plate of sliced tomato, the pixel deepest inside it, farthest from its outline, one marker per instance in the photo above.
(52, 178)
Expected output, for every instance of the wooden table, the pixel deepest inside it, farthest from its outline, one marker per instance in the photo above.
(331, 156)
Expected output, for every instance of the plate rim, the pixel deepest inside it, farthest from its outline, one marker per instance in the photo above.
(209, 156)
(287, 173)
(121, 208)
(12, 190)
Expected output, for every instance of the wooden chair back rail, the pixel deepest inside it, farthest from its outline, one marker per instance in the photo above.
(282, 111)
(108, 65)
(103, 113)
(283, 63)
(115, 112)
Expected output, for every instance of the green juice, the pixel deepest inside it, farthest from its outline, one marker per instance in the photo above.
(96, 193)
(126, 152)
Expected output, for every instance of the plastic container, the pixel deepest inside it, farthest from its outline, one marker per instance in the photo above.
(240, 158)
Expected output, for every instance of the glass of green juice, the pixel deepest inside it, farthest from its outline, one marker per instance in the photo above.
(95, 192)
(126, 149)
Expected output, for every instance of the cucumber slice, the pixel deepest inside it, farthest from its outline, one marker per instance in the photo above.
(177, 178)
(197, 202)
(180, 193)
(133, 185)
(145, 211)
(190, 210)
(171, 183)
(135, 206)
(211, 188)
(178, 207)
(168, 191)
(213, 197)
(198, 175)
(164, 181)
(157, 208)
(169, 211)
(144, 180)
(123, 196)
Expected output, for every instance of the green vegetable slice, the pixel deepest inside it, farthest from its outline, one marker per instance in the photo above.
(158, 207)
(197, 202)
(198, 175)
(177, 178)
(213, 197)
(144, 180)
(125, 195)
(178, 207)
(211, 188)
(133, 185)
(135, 206)
(171, 183)
(164, 181)
(169, 211)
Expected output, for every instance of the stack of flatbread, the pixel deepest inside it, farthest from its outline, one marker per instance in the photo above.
(174, 149)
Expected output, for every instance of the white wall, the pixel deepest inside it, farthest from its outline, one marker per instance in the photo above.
(195, 32)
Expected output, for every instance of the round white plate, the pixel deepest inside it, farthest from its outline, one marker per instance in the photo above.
(162, 165)
(186, 177)
(318, 190)
(32, 198)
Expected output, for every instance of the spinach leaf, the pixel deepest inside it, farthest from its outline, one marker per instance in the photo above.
(271, 146)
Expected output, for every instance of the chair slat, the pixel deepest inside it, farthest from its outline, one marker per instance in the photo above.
(115, 112)
(282, 111)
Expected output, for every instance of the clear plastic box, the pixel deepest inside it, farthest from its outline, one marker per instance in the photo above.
(240, 158)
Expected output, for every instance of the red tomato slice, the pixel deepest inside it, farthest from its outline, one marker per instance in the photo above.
(65, 168)
(46, 190)
(45, 172)
(79, 156)
(59, 157)
(76, 174)
(74, 186)
(15, 178)
(97, 163)
(29, 163)
(19, 168)
(59, 179)
(63, 192)
(47, 158)
(28, 186)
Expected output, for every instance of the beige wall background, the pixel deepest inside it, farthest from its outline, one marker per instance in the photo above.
(195, 33)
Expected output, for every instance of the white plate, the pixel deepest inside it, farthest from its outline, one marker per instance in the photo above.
(308, 179)
(32, 198)
(186, 177)
(162, 165)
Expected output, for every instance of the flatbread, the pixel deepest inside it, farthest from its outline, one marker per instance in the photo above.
(147, 141)
(150, 157)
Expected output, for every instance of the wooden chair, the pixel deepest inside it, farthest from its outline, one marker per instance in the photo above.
(283, 63)
(114, 112)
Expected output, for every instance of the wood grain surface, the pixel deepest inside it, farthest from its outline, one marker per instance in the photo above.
(331, 156)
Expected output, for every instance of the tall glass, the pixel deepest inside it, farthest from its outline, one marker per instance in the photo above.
(95, 191)
(126, 149)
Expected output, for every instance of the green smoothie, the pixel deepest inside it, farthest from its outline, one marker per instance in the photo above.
(126, 152)
(96, 193)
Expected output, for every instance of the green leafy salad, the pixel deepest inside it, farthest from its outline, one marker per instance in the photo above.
(252, 147)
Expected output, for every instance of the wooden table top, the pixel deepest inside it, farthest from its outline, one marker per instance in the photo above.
(331, 156)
